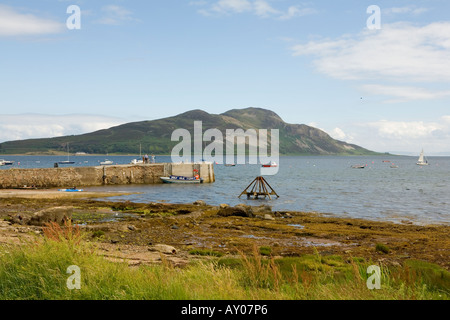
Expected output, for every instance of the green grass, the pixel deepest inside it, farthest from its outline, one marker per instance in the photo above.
(205, 252)
(38, 271)
(265, 251)
(381, 248)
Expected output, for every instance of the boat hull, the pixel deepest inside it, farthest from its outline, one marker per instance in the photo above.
(184, 180)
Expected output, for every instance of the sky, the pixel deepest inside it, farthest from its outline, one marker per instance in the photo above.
(380, 80)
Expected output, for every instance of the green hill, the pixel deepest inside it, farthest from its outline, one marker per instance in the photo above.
(155, 136)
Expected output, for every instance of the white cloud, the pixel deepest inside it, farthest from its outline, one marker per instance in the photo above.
(225, 6)
(339, 134)
(264, 9)
(405, 10)
(402, 130)
(408, 137)
(404, 93)
(30, 126)
(398, 52)
(115, 15)
(260, 8)
(296, 11)
(15, 23)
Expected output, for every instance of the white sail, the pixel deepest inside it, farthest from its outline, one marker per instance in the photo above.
(422, 161)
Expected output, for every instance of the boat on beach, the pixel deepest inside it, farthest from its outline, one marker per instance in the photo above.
(181, 179)
(71, 190)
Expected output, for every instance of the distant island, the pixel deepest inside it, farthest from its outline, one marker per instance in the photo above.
(155, 136)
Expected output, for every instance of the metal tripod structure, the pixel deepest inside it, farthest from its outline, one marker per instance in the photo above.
(259, 188)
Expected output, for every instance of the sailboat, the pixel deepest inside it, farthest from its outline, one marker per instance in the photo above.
(422, 160)
(67, 161)
(138, 161)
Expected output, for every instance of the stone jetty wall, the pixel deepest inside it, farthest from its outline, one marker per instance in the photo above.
(101, 175)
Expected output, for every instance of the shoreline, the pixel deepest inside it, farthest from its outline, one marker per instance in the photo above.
(56, 194)
(127, 230)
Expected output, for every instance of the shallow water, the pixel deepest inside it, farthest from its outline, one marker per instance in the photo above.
(320, 184)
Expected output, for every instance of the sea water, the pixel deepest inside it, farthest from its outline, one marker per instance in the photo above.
(405, 192)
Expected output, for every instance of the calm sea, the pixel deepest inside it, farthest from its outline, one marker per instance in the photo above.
(407, 193)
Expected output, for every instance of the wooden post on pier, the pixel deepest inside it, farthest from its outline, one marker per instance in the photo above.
(259, 187)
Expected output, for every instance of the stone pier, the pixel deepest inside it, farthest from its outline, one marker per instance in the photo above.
(102, 175)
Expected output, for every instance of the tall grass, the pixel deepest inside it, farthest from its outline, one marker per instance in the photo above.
(38, 270)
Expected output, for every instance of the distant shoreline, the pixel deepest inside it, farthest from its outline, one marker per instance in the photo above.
(57, 154)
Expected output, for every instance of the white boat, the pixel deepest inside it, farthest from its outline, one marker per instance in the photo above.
(6, 162)
(181, 179)
(138, 161)
(270, 164)
(106, 162)
(422, 161)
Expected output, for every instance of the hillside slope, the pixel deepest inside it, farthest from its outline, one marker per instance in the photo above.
(155, 136)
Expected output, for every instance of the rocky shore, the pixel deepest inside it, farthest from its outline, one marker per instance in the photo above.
(146, 233)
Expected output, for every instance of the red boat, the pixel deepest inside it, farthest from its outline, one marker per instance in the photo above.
(270, 164)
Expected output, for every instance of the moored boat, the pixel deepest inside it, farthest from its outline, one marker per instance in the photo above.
(181, 179)
(6, 162)
(68, 160)
(136, 161)
(270, 164)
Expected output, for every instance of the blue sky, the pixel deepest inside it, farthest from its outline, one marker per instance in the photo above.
(315, 63)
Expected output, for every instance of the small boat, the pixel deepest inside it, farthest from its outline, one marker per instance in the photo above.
(358, 166)
(106, 162)
(67, 161)
(270, 164)
(71, 190)
(6, 163)
(182, 179)
(394, 166)
(137, 161)
(422, 161)
(230, 164)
